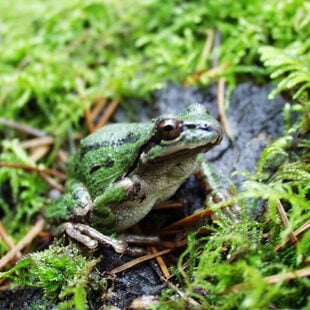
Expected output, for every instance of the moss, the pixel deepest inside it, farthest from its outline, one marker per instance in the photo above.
(61, 271)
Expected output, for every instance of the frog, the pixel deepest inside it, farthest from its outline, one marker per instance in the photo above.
(123, 170)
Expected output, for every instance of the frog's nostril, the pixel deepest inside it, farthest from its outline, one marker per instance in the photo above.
(206, 127)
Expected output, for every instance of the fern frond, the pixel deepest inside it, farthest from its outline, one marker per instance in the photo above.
(292, 64)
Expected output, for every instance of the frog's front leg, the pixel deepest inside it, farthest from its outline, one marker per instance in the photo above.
(85, 220)
(215, 191)
(91, 237)
(73, 206)
(74, 211)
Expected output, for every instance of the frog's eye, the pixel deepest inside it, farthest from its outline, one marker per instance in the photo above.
(169, 129)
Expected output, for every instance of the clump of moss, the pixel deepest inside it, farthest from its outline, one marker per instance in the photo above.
(57, 57)
(61, 271)
(232, 268)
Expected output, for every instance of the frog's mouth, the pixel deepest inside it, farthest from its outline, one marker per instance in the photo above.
(185, 151)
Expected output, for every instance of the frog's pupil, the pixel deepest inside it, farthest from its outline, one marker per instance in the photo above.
(169, 127)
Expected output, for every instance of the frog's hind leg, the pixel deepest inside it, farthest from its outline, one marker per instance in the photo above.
(216, 192)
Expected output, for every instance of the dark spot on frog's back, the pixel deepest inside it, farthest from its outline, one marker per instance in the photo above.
(129, 138)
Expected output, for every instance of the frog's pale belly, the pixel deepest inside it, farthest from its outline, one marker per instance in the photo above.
(127, 214)
(159, 183)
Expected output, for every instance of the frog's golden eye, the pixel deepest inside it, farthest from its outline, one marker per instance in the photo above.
(169, 129)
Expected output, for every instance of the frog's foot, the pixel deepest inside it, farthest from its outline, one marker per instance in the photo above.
(139, 240)
(90, 237)
(220, 195)
(119, 246)
(216, 192)
(73, 232)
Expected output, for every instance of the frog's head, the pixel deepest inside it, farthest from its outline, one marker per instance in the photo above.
(193, 131)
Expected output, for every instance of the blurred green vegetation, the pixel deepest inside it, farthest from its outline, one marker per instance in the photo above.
(57, 57)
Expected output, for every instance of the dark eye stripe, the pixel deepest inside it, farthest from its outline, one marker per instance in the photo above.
(95, 167)
(202, 126)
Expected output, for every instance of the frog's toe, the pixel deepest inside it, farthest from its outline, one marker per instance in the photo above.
(73, 232)
(119, 246)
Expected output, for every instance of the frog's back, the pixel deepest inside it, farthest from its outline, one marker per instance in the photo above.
(107, 155)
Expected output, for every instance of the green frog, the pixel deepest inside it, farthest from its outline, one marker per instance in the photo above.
(122, 170)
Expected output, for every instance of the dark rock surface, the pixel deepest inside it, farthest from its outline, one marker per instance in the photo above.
(23, 298)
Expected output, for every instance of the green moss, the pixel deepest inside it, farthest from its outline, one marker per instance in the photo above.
(22, 194)
(58, 57)
(61, 271)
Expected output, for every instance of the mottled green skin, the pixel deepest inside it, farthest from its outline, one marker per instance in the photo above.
(122, 170)
(115, 147)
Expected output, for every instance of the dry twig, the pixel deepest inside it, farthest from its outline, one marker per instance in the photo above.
(139, 260)
(305, 272)
(162, 265)
(24, 128)
(89, 120)
(190, 219)
(46, 140)
(7, 240)
(161, 262)
(49, 171)
(53, 183)
(208, 74)
(285, 221)
(33, 232)
(108, 113)
(221, 107)
(206, 50)
(297, 232)
(99, 104)
(190, 301)
(39, 152)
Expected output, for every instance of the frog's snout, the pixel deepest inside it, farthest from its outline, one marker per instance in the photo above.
(215, 130)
